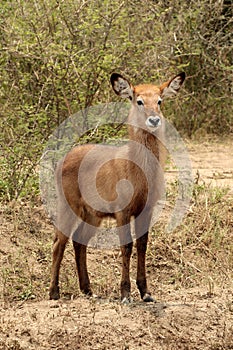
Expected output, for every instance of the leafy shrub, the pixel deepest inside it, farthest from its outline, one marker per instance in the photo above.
(56, 58)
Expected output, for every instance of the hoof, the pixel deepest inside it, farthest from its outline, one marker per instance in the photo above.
(54, 294)
(87, 292)
(126, 300)
(148, 298)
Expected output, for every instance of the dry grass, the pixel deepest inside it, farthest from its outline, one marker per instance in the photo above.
(198, 251)
(190, 272)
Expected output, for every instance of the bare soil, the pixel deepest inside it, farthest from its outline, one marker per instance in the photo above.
(192, 283)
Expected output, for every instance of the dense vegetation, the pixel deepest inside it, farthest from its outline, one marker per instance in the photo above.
(56, 58)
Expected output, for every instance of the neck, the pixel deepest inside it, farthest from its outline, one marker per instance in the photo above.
(146, 153)
(146, 139)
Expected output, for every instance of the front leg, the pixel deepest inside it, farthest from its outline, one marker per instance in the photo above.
(81, 263)
(81, 238)
(141, 268)
(126, 242)
(126, 251)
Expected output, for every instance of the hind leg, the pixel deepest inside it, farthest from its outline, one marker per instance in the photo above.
(141, 268)
(58, 251)
(141, 230)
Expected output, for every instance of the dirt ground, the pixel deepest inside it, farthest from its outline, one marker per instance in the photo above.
(195, 313)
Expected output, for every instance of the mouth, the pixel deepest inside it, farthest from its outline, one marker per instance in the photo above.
(153, 122)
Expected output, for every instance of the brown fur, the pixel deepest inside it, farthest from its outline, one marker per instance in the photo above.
(144, 174)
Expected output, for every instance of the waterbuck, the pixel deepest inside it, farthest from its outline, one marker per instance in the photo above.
(128, 186)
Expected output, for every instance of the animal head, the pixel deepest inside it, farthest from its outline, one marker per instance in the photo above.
(146, 99)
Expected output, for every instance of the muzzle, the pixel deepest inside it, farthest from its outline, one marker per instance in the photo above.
(153, 122)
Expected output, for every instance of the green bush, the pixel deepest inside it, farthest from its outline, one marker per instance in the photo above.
(56, 58)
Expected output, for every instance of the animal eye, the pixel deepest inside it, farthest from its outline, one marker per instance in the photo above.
(140, 102)
(159, 101)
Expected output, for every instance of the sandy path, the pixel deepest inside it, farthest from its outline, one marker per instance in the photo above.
(214, 162)
(193, 318)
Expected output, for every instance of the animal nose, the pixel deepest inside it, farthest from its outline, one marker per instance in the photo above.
(153, 121)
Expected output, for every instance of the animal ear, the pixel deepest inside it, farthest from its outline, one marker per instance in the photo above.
(121, 86)
(171, 87)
